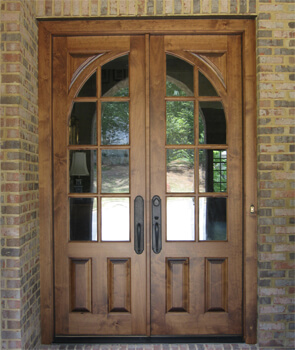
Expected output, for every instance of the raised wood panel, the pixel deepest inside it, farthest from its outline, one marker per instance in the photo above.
(177, 284)
(216, 285)
(80, 285)
(119, 285)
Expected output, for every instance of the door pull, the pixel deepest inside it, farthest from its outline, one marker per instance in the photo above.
(156, 225)
(138, 224)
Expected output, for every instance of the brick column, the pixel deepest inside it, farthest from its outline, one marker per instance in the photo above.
(19, 176)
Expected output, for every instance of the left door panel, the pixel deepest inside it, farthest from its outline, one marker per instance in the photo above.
(99, 170)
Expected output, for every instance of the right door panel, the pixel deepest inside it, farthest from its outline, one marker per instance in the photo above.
(196, 170)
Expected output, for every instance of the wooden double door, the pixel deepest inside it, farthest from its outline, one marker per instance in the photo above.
(148, 192)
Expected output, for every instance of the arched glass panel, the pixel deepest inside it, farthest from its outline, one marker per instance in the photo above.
(115, 77)
(179, 77)
(205, 86)
(212, 123)
(89, 88)
(83, 124)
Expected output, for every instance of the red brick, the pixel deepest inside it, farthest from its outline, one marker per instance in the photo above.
(284, 265)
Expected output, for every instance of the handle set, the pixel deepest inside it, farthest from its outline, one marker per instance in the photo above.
(139, 225)
(156, 225)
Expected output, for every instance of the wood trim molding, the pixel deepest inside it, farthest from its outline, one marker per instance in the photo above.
(250, 184)
(48, 29)
(45, 185)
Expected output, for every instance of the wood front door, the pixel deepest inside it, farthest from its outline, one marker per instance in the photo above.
(148, 192)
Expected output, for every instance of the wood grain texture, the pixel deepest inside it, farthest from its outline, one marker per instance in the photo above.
(198, 321)
(150, 26)
(250, 184)
(109, 309)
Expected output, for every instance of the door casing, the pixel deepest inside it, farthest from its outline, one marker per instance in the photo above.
(244, 27)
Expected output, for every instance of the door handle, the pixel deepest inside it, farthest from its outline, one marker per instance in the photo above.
(138, 224)
(156, 225)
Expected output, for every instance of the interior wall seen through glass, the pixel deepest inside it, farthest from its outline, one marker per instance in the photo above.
(83, 124)
(212, 123)
(212, 219)
(212, 170)
(205, 86)
(83, 219)
(89, 87)
(83, 171)
(115, 77)
(179, 77)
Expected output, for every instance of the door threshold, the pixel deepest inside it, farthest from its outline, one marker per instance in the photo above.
(149, 340)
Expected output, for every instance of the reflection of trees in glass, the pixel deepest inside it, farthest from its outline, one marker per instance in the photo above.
(201, 128)
(213, 170)
(115, 171)
(219, 171)
(115, 123)
(114, 77)
(176, 88)
(122, 89)
(180, 129)
(180, 159)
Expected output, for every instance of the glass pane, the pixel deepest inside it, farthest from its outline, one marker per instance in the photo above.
(83, 171)
(205, 86)
(212, 219)
(179, 77)
(180, 219)
(115, 219)
(180, 170)
(212, 170)
(212, 123)
(89, 88)
(114, 77)
(83, 124)
(115, 171)
(115, 123)
(83, 219)
(180, 123)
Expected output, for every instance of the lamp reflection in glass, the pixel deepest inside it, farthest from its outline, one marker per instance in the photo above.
(79, 168)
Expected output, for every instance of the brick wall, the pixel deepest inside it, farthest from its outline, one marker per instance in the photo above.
(276, 165)
(19, 177)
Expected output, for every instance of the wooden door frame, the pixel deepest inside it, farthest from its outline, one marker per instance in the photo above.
(242, 26)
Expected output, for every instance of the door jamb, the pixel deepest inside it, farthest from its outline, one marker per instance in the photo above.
(247, 29)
